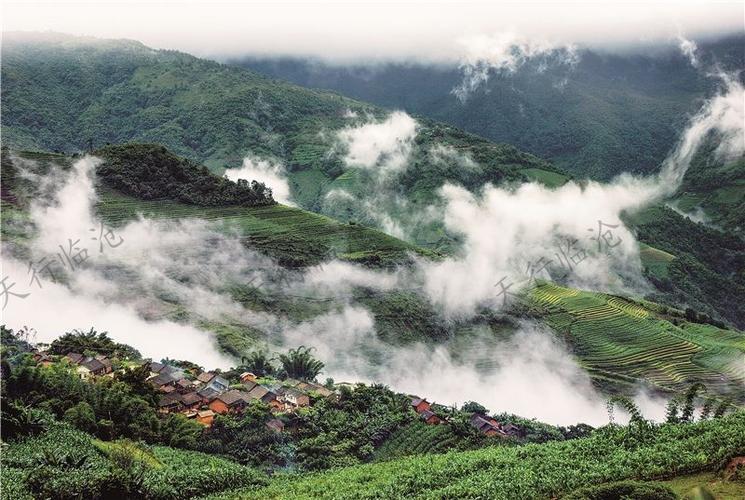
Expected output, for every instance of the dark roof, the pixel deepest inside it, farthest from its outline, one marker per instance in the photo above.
(190, 398)
(234, 396)
(288, 391)
(184, 382)
(208, 393)
(162, 379)
(427, 414)
(417, 401)
(75, 357)
(258, 392)
(173, 371)
(93, 365)
(156, 367)
(269, 396)
(247, 386)
(170, 399)
(205, 376)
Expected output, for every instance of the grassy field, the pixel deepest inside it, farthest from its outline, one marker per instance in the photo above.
(655, 260)
(550, 179)
(531, 471)
(621, 341)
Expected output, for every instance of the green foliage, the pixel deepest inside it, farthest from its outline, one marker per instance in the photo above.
(117, 408)
(259, 363)
(63, 463)
(299, 363)
(151, 172)
(347, 431)
(245, 438)
(91, 341)
(624, 490)
(532, 471)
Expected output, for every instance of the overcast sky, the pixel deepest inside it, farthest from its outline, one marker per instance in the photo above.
(350, 29)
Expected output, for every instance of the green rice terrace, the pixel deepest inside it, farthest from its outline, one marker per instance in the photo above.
(290, 235)
(620, 341)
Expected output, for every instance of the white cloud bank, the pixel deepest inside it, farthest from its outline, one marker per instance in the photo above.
(511, 234)
(384, 145)
(354, 30)
(269, 172)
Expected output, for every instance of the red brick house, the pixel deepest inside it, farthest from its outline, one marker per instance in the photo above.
(205, 417)
(230, 401)
(420, 405)
(430, 418)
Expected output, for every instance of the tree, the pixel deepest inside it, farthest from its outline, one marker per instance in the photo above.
(474, 407)
(92, 341)
(258, 363)
(82, 417)
(299, 363)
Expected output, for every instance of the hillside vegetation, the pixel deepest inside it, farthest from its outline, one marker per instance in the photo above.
(531, 471)
(62, 93)
(600, 115)
(620, 342)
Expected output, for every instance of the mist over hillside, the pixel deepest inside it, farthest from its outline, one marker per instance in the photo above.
(372, 250)
(592, 112)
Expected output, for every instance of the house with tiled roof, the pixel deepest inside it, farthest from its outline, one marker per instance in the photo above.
(205, 417)
(191, 400)
(170, 402)
(205, 377)
(486, 425)
(74, 357)
(419, 404)
(293, 397)
(429, 417)
(231, 401)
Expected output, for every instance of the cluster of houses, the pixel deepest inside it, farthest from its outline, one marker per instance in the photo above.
(204, 395)
(483, 423)
(86, 366)
(209, 394)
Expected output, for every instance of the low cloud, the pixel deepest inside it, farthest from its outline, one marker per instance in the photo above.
(506, 53)
(384, 145)
(269, 172)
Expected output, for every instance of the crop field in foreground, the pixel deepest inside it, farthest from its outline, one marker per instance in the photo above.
(625, 340)
(531, 471)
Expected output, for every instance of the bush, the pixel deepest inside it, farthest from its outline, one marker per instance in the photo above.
(624, 490)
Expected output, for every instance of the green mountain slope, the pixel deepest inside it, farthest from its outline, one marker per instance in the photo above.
(692, 264)
(610, 112)
(68, 94)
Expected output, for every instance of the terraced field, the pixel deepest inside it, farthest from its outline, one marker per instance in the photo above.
(293, 236)
(621, 341)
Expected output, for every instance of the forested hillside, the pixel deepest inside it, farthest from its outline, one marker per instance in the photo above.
(610, 112)
(68, 94)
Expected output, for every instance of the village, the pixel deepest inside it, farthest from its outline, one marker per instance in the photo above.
(202, 395)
